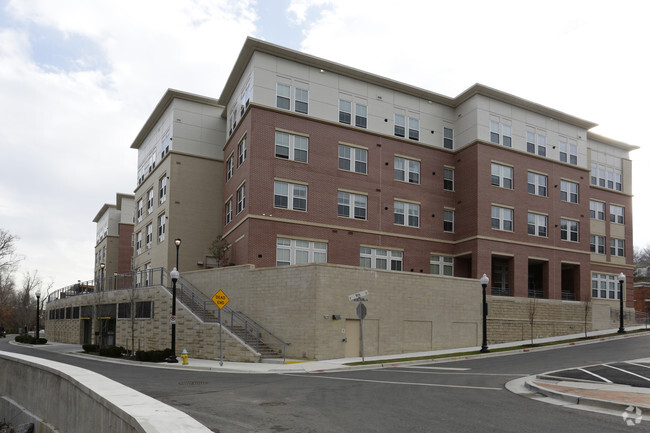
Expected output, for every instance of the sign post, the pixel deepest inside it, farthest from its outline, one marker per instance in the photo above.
(361, 314)
(220, 299)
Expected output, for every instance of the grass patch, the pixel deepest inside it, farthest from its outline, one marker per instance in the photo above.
(497, 350)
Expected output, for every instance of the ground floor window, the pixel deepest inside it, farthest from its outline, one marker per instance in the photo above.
(604, 286)
(378, 258)
(299, 252)
(441, 265)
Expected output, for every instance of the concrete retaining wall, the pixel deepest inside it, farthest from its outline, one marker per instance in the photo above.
(74, 400)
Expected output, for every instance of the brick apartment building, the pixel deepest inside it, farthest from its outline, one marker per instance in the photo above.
(301, 160)
(328, 163)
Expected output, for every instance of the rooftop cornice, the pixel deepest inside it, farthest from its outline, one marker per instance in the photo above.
(611, 141)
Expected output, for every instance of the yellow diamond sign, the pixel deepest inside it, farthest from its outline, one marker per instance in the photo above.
(220, 299)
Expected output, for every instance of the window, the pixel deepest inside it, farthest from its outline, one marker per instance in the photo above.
(124, 310)
(149, 235)
(605, 286)
(568, 152)
(597, 244)
(241, 152)
(352, 205)
(441, 265)
(140, 209)
(414, 129)
(606, 177)
(162, 189)
(283, 98)
(345, 111)
(537, 224)
(448, 138)
(448, 221)
(301, 104)
(377, 258)
(144, 309)
(228, 211)
(502, 218)
(290, 146)
(597, 210)
(150, 201)
(617, 247)
(299, 252)
(407, 169)
(448, 179)
(241, 198)
(569, 230)
(290, 196)
(536, 143)
(537, 184)
(569, 191)
(400, 125)
(353, 159)
(406, 214)
(502, 176)
(616, 214)
(230, 163)
(162, 219)
(138, 243)
(361, 115)
(500, 132)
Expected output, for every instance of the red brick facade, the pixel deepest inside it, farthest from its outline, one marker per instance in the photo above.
(559, 265)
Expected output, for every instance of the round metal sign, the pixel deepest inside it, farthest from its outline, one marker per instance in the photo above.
(361, 311)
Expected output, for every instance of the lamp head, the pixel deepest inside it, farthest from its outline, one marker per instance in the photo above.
(177, 241)
(485, 280)
(174, 274)
(621, 277)
(38, 293)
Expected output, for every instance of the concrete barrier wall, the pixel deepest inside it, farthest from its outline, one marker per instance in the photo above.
(74, 400)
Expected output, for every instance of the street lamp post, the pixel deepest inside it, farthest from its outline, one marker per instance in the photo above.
(484, 282)
(621, 282)
(101, 275)
(37, 333)
(177, 241)
(172, 357)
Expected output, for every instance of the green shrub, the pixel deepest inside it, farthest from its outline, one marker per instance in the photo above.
(112, 351)
(152, 355)
(25, 339)
(90, 348)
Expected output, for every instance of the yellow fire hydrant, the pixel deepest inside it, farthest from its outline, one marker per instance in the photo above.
(184, 356)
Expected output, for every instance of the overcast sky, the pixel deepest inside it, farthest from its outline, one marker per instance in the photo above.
(78, 79)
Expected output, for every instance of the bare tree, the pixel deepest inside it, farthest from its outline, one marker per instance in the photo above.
(532, 309)
(220, 250)
(587, 309)
(8, 257)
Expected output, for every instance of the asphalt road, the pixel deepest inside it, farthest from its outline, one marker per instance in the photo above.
(458, 396)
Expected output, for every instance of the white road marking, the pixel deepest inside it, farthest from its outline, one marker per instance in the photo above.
(453, 374)
(388, 382)
(433, 368)
(628, 372)
(638, 365)
(593, 374)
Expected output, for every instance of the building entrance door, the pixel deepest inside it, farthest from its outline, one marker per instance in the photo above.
(353, 336)
(86, 331)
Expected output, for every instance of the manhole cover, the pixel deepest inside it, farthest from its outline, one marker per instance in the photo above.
(273, 403)
(192, 382)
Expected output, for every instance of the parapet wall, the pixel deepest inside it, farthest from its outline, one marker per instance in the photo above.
(72, 399)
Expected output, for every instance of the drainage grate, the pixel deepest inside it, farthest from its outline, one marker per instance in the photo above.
(192, 382)
(272, 403)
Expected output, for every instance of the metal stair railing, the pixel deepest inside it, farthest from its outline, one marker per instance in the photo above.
(241, 325)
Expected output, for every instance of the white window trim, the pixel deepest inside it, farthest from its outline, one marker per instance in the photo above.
(443, 262)
(389, 255)
(292, 146)
(501, 218)
(407, 170)
(408, 208)
(353, 158)
(501, 175)
(352, 205)
(313, 250)
(291, 187)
